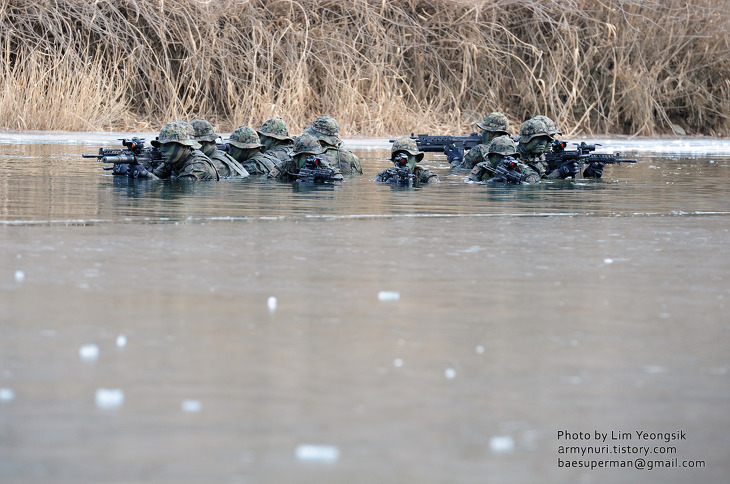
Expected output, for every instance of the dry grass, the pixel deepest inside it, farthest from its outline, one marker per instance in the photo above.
(380, 68)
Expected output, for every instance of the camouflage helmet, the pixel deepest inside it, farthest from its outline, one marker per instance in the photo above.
(531, 128)
(408, 145)
(503, 145)
(245, 138)
(552, 127)
(203, 130)
(308, 144)
(325, 128)
(275, 128)
(495, 122)
(177, 132)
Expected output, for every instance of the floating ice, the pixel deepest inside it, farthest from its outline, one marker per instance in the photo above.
(109, 398)
(388, 296)
(6, 395)
(121, 341)
(608, 261)
(450, 373)
(191, 406)
(502, 444)
(317, 453)
(397, 362)
(89, 352)
(19, 276)
(480, 349)
(271, 303)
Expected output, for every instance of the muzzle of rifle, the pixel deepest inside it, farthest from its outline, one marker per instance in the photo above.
(119, 159)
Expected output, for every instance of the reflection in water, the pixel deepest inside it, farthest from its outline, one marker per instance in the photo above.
(521, 311)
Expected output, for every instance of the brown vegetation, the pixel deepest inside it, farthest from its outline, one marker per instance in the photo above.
(380, 68)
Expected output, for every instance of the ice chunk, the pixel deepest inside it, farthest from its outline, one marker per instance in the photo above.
(397, 362)
(502, 444)
(89, 352)
(608, 261)
(450, 373)
(109, 398)
(317, 453)
(388, 296)
(480, 349)
(19, 276)
(191, 406)
(6, 395)
(121, 341)
(271, 303)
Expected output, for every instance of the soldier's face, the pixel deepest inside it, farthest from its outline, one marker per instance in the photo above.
(236, 152)
(538, 144)
(172, 152)
(208, 147)
(495, 158)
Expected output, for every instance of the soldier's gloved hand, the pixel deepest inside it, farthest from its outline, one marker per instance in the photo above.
(453, 155)
(594, 170)
(137, 171)
(569, 168)
(120, 168)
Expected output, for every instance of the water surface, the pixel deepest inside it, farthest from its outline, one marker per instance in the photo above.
(440, 334)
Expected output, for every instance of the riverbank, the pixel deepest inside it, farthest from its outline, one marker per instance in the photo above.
(624, 67)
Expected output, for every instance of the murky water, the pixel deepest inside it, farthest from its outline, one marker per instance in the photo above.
(443, 334)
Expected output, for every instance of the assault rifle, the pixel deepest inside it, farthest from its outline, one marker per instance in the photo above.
(505, 172)
(400, 175)
(583, 154)
(314, 173)
(133, 153)
(452, 146)
(224, 147)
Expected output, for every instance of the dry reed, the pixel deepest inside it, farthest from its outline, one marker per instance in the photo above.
(380, 68)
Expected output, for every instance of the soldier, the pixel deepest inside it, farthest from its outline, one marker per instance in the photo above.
(569, 169)
(534, 137)
(404, 154)
(181, 155)
(305, 146)
(327, 130)
(226, 165)
(274, 135)
(246, 148)
(495, 124)
(502, 150)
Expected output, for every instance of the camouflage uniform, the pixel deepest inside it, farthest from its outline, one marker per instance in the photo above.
(225, 164)
(529, 130)
(193, 165)
(494, 125)
(408, 146)
(505, 147)
(304, 146)
(327, 130)
(281, 149)
(256, 162)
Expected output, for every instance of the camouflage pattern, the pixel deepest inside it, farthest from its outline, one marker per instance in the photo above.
(308, 144)
(348, 162)
(275, 128)
(203, 130)
(552, 127)
(177, 132)
(503, 145)
(259, 164)
(407, 145)
(226, 165)
(245, 138)
(473, 157)
(423, 176)
(326, 129)
(482, 172)
(535, 161)
(531, 128)
(495, 122)
(195, 166)
(305, 145)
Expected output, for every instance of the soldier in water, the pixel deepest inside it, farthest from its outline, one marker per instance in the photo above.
(181, 154)
(245, 146)
(327, 130)
(495, 124)
(405, 155)
(226, 165)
